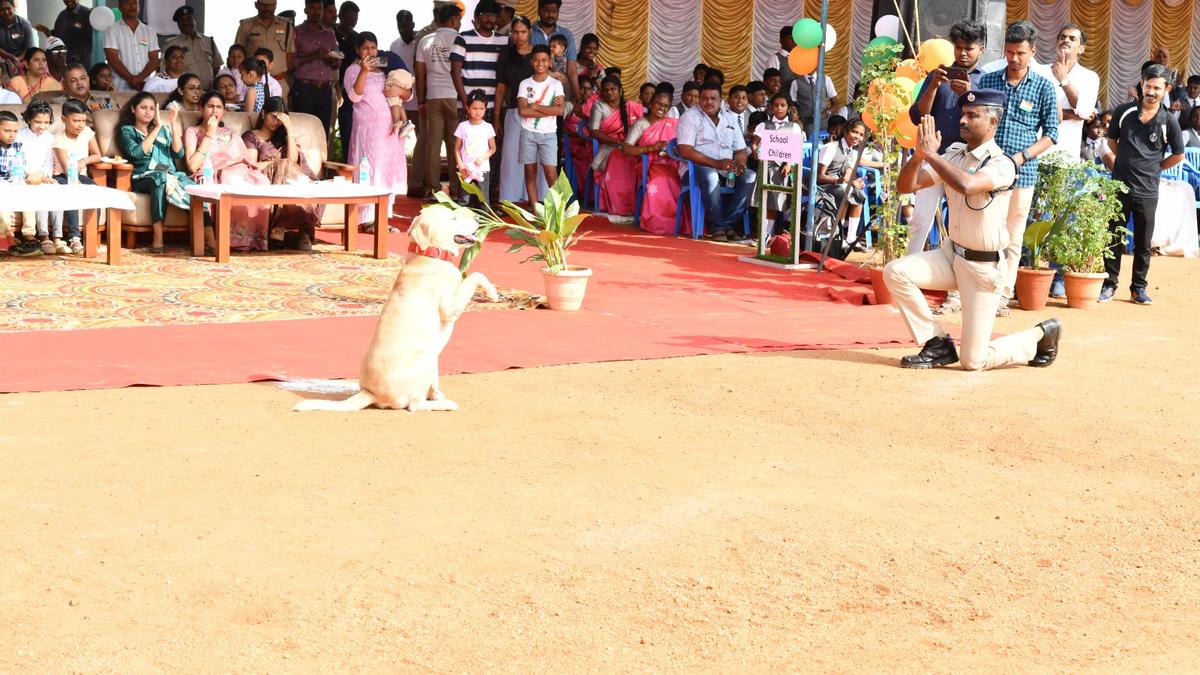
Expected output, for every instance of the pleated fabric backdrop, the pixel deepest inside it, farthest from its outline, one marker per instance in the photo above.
(662, 40)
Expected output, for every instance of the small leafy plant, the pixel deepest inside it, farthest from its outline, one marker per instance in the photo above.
(1073, 205)
(551, 228)
(879, 69)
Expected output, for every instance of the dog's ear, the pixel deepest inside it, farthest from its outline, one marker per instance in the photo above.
(418, 232)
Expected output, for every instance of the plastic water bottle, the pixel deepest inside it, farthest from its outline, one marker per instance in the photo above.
(18, 168)
(364, 172)
(206, 172)
(72, 169)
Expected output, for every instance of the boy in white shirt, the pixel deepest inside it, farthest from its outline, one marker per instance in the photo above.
(540, 104)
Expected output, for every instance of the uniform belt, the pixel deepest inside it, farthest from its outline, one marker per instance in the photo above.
(315, 83)
(976, 256)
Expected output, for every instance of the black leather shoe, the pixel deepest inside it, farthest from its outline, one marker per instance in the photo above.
(938, 351)
(1047, 347)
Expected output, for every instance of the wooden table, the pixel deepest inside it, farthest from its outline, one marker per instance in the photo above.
(223, 199)
(87, 198)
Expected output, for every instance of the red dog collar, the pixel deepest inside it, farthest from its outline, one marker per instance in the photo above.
(431, 252)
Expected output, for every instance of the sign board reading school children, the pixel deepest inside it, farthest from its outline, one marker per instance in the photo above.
(782, 146)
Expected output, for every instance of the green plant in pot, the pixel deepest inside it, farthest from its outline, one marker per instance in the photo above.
(1059, 181)
(551, 229)
(1080, 239)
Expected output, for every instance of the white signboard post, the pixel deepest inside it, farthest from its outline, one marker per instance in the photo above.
(779, 147)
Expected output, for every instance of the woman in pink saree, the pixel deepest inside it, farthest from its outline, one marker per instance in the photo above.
(616, 172)
(650, 136)
(211, 141)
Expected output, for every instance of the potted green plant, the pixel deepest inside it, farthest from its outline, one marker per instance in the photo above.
(1059, 181)
(1080, 244)
(551, 229)
(882, 102)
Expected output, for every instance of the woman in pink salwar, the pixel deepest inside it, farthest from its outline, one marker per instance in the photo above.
(372, 135)
(650, 136)
(616, 172)
(210, 141)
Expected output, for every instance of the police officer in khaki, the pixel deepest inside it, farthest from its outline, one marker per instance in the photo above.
(274, 33)
(200, 54)
(978, 178)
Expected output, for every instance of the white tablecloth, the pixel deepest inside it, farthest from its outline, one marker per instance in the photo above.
(323, 189)
(1175, 220)
(62, 198)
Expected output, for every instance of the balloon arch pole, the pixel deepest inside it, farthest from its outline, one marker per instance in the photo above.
(815, 141)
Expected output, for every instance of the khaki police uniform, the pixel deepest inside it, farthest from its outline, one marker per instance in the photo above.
(200, 55)
(947, 269)
(279, 37)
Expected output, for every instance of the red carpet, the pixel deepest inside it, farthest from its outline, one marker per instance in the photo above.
(649, 297)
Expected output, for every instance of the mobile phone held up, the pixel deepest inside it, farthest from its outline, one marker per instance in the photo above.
(956, 73)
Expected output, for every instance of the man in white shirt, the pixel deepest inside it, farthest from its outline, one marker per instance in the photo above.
(437, 99)
(405, 47)
(1077, 88)
(710, 139)
(131, 49)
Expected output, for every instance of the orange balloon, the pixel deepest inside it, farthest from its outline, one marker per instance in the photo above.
(935, 53)
(869, 120)
(905, 132)
(803, 61)
(911, 69)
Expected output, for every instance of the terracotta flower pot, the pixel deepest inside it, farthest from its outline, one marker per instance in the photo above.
(882, 295)
(565, 288)
(1083, 288)
(1033, 287)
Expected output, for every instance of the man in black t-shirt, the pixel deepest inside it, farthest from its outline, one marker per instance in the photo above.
(1138, 136)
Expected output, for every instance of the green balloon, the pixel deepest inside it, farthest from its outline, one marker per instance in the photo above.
(807, 33)
(116, 13)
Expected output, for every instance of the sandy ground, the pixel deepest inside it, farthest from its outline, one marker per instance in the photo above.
(805, 511)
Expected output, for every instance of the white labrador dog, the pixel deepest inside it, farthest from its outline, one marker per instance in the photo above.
(400, 368)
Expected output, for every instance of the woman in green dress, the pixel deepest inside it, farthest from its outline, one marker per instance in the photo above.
(153, 149)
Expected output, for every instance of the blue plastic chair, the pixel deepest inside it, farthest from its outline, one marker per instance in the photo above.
(569, 166)
(687, 186)
(591, 189)
(873, 197)
(641, 189)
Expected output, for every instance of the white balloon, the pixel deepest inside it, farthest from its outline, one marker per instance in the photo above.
(102, 18)
(888, 26)
(830, 37)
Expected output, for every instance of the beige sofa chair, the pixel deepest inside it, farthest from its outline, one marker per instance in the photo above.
(310, 134)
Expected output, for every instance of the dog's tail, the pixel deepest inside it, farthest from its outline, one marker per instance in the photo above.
(356, 402)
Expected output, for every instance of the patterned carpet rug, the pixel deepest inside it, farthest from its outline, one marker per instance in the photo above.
(69, 293)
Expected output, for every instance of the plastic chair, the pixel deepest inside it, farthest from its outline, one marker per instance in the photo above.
(872, 191)
(687, 186)
(591, 189)
(569, 165)
(641, 190)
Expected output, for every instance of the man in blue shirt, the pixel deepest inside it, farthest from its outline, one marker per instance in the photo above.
(710, 139)
(939, 98)
(547, 27)
(1029, 128)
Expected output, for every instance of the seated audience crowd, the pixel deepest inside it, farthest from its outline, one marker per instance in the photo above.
(511, 102)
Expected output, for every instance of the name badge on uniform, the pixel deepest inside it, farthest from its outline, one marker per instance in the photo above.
(143, 43)
(1027, 106)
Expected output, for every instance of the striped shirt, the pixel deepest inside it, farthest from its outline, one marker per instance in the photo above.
(478, 56)
(133, 46)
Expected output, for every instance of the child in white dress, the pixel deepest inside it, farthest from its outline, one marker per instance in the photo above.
(475, 143)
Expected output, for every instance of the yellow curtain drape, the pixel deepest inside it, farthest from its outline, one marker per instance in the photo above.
(1095, 17)
(526, 8)
(837, 61)
(1015, 10)
(726, 28)
(1171, 28)
(624, 30)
